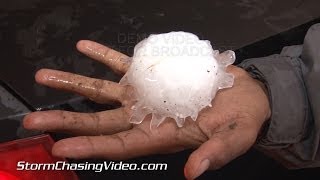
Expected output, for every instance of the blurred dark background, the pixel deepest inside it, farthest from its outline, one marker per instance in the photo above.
(38, 34)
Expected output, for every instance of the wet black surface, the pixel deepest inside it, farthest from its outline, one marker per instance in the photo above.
(10, 107)
(12, 110)
(42, 34)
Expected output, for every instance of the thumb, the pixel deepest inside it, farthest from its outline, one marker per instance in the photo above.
(212, 154)
(219, 150)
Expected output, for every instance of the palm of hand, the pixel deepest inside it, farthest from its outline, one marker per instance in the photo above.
(220, 134)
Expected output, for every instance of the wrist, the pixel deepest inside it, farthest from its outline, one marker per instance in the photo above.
(265, 90)
(260, 82)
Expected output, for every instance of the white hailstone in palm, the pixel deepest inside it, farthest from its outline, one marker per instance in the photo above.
(175, 75)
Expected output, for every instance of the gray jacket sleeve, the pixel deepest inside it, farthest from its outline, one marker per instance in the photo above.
(292, 78)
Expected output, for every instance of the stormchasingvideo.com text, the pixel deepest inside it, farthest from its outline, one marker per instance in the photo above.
(96, 167)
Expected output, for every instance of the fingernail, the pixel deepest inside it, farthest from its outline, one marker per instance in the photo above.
(204, 165)
(31, 121)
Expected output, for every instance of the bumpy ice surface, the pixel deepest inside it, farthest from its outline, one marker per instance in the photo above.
(175, 75)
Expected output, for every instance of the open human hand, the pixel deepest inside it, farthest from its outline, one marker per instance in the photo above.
(221, 133)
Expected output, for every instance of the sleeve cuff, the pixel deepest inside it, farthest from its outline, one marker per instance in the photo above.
(287, 96)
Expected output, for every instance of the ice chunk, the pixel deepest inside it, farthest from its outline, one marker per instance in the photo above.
(175, 75)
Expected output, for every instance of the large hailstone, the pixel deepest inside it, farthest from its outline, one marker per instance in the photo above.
(175, 75)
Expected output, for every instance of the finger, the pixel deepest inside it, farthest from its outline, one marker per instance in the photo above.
(98, 90)
(123, 145)
(114, 59)
(106, 122)
(219, 150)
(200, 160)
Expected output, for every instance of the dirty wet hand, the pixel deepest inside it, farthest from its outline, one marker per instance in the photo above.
(220, 134)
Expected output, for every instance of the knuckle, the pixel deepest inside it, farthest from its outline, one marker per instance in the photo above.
(91, 144)
(105, 53)
(96, 121)
(122, 150)
(97, 86)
